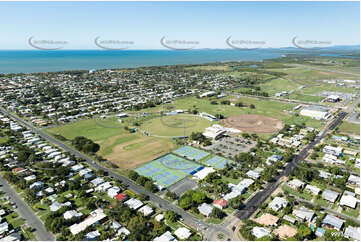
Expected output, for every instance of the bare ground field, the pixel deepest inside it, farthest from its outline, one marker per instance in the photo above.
(252, 123)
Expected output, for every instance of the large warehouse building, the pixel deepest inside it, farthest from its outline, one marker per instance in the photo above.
(316, 112)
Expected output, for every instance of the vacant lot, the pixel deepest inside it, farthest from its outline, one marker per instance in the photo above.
(252, 123)
(349, 128)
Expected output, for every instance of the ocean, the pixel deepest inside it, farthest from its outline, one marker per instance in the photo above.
(31, 61)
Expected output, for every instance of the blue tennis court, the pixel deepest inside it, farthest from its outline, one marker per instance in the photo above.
(168, 169)
(217, 162)
(191, 153)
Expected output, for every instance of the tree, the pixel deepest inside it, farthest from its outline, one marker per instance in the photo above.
(226, 102)
(150, 186)
(239, 104)
(171, 195)
(133, 175)
(236, 202)
(186, 202)
(171, 216)
(303, 232)
(141, 180)
(84, 144)
(217, 213)
(198, 197)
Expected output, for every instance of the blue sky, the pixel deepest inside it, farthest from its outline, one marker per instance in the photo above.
(208, 23)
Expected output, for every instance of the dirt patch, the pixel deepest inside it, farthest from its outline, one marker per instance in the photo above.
(136, 152)
(253, 123)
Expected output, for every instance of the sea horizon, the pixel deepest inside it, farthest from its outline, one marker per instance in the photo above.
(39, 61)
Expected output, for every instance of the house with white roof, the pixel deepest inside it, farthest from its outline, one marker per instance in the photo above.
(253, 174)
(313, 189)
(352, 233)
(278, 203)
(304, 214)
(348, 200)
(336, 151)
(146, 210)
(205, 209)
(167, 236)
(97, 181)
(95, 216)
(330, 195)
(93, 235)
(133, 203)
(260, 232)
(103, 187)
(72, 213)
(182, 233)
(296, 184)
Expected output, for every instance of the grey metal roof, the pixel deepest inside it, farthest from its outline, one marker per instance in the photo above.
(333, 221)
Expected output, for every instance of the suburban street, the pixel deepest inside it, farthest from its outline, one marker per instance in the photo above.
(26, 212)
(253, 204)
(207, 230)
(341, 215)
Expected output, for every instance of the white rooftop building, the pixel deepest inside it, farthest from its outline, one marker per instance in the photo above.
(94, 217)
(316, 112)
(133, 203)
(183, 233)
(146, 210)
(259, 232)
(200, 175)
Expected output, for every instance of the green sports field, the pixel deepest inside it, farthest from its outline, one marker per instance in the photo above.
(175, 125)
(125, 149)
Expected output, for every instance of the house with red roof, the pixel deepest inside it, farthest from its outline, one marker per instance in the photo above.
(121, 197)
(221, 203)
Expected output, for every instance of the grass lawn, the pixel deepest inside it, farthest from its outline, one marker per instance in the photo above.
(263, 107)
(214, 220)
(3, 140)
(349, 128)
(306, 98)
(352, 212)
(174, 125)
(231, 180)
(302, 195)
(278, 85)
(321, 202)
(125, 149)
(90, 128)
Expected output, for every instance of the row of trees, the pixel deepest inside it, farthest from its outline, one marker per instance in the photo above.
(146, 182)
(85, 145)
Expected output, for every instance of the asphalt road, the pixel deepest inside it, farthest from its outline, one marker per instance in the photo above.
(341, 215)
(206, 229)
(253, 204)
(26, 212)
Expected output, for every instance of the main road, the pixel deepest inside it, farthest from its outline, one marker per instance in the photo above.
(26, 212)
(189, 219)
(256, 201)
